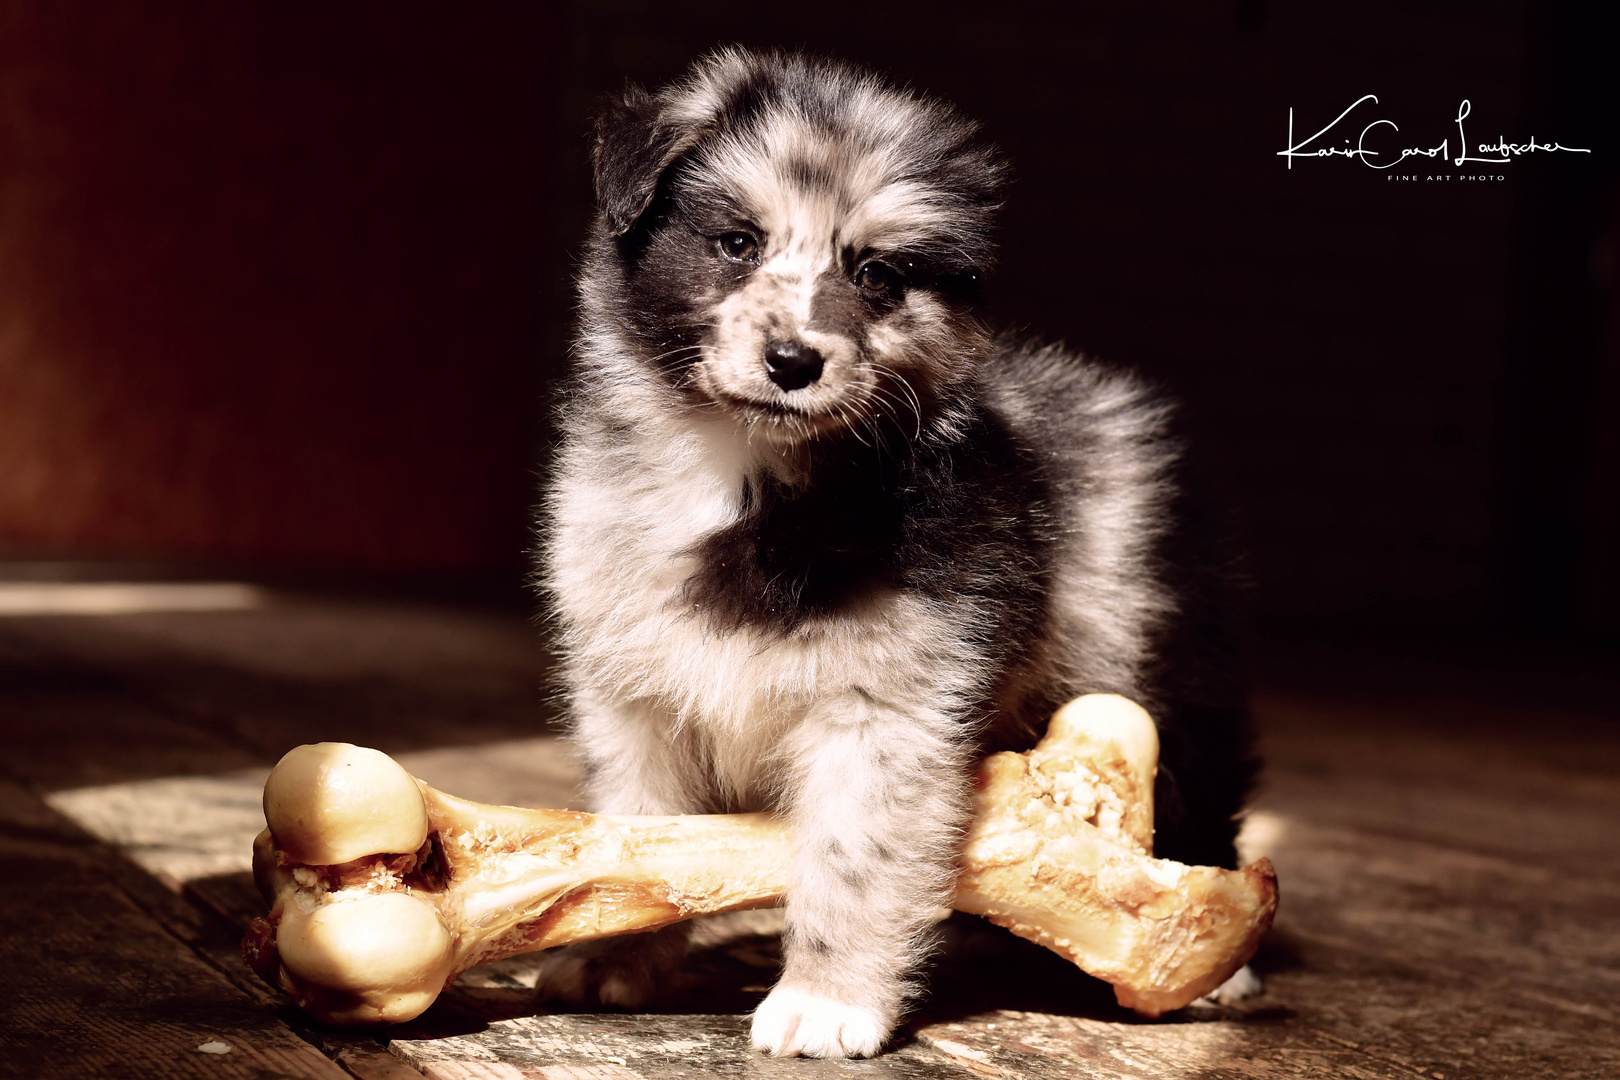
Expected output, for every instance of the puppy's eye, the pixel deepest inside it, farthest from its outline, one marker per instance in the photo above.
(876, 277)
(738, 246)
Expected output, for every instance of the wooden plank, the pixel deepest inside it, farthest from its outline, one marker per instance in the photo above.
(1450, 882)
(1534, 784)
(66, 728)
(186, 828)
(1017, 1045)
(1450, 870)
(217, 940)
(541, 770)
(95, 987)
(64, 725)
(179, 828)
(1472, 914)
(1427, 1017)
(1005, 1007)
(1068, 1026)
(654, 1046)
(397, 677)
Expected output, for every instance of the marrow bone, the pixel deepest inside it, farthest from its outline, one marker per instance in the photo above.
(383, 889)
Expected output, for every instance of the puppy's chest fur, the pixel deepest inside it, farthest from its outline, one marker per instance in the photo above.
(695, 580)
(800, 552)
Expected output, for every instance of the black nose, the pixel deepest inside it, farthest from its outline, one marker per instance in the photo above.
(792, 365)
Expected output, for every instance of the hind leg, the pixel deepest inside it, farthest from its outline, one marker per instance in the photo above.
(624, 972)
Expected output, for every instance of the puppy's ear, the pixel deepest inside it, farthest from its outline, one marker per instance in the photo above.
(635, 143)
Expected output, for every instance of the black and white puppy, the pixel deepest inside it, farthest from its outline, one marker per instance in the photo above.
(815, 538)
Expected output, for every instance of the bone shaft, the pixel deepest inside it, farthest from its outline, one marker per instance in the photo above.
(599, 875)
(607, 907)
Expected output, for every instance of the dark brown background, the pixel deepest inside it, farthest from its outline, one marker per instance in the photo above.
(285, 286)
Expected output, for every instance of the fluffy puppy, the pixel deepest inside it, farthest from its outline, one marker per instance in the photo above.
(815, 538)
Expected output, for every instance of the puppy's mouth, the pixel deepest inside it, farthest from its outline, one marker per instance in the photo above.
(813, 422)
(748, 404)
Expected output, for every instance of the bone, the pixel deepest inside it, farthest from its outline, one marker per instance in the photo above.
(1058, 852)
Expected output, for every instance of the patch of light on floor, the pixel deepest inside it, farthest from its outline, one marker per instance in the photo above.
(182, 828)
(176, 828)
(18, 598)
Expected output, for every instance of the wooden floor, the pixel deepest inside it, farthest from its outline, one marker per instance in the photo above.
(1447, 838)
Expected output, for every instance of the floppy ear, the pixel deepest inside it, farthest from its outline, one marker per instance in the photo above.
(635, 143)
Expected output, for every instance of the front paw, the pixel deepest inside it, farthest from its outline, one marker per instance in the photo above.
(623, 973)
(791, 1021)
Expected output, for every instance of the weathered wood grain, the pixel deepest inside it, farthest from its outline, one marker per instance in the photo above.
(1449, 862)
(95, 987)
(399, 677)
(1042, 1045)
(1525, 782)
(67, 728)
(1451, 871)
(185, 828)
(637, 1047)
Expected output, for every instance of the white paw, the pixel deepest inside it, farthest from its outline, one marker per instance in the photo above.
(1243, 985)
(792, 1021)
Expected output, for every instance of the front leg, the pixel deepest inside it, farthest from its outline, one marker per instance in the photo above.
(878, 803)
(636, 762)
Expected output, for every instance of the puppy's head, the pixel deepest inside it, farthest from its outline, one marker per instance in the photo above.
(794, 243)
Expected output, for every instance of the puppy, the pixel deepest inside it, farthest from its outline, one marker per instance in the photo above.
(815, 539)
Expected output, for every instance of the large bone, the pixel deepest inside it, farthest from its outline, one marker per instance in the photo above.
(384, 889)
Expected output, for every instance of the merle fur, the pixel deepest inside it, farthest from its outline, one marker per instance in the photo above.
(974, 502)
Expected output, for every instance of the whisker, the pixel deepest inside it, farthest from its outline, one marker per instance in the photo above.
(676, 352)
(843, 418)
(905, 386)
(891, 403)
